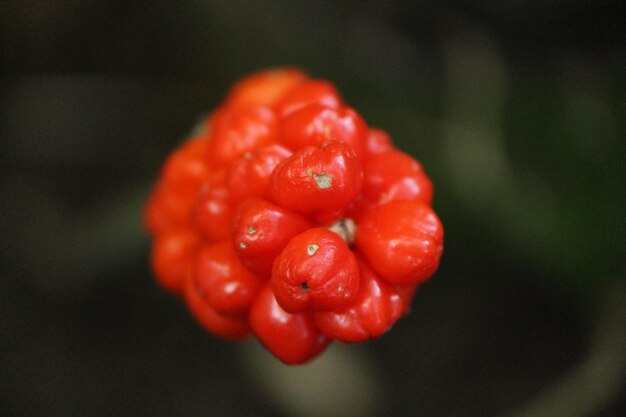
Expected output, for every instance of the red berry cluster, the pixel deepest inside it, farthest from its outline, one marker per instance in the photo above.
(290, 219)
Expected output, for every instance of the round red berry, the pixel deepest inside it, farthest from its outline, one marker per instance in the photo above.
(236, 131)
(260, 231)
(291, 337)
(264, 88)
(318, 180)
(309, 92)
(234, 328)
(249, 176)
(212, 213)
(172, 256)
(403, 241)
(226, 285)
(316, 124)
(374, 310)
(315, 271)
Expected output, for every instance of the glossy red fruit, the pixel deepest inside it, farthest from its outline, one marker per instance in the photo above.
(315, 271)
(318, 180)
(264, 88)
(187, 169)
(174, 206)
(377, 141)
(155, 216)
(249, 176)
(390, 176)
(291, 337)
(316, 124)
(394, 175)
(309, 92)
(172, 256)
(224, 326)
(403, 241)
(375, 309)
(260, 231)
(226, 285)
(236, 131)
(212, 213)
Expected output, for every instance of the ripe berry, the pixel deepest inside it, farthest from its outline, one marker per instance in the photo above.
(261, 230)
(318, 180)
(157, 217)
(249, 176)
(186, 169)
(226, 285)
(172, 256)
(229, 327)
(315, 271)
(374, 310)
(377, 141)
(290, 219)
(309, 92)
(316, 124)
(212, 213)
(403, 241)
(390, 176)
(291, 337)
(236, 131)
(264, 88)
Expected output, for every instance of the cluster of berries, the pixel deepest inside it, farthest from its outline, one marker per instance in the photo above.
(290, 219)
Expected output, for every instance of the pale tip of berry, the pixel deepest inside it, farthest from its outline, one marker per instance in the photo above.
(242, 245)
(323, 180)
(346, 229)
(312, 248)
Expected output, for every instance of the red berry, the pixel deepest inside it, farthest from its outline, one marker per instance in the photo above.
(261, 230)
(377, 141)
(221, 325)
(175, 206)
(156, 217)
(375, 309)
(291, 337)
(172, 256)
(264, 88)
(236, 131)
(212, 213)
(390, 176)
(394, 175)
(309, 92)
(318, 180)
(315, 271)
(249, 176)
(187, 169)
(226, 285)
(316, 124)
(403, 240)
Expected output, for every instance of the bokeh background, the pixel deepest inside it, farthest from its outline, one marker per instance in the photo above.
(517, 110)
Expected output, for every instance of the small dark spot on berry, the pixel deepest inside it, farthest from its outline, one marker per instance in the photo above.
(304, 286)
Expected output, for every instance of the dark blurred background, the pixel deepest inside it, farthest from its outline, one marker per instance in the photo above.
(517, 110)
